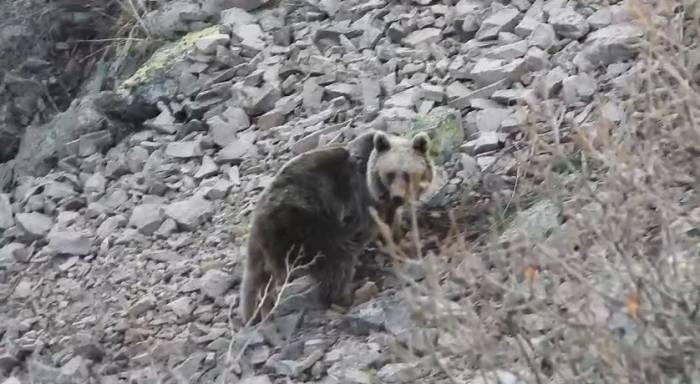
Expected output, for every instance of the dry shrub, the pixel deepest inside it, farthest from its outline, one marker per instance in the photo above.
(613, 294)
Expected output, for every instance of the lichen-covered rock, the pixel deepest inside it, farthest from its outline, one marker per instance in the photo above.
(444, 126)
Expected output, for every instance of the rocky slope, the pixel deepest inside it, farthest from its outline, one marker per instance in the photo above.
(124, 217)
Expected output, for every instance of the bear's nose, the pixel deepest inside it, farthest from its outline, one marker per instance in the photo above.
(397, 200)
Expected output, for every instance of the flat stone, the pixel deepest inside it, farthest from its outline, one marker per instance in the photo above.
(143, 305)
(218, 190)
(208, 44)
(70, 242)
(488, 71)
(110, 226)
(487, 141)
(237, 151)
(503, 20)
(184, 149)
(207, 169)
(422, 37)
(612, 44)
(214, 283)
(181, 307)
(489, 120)
(223, 127)
(508, 51)
(259, 379)
(94, 142)
(34, 225)
(7, 219)
(190, 213)
(163, 123)
(579, 88)
(147, 218)
(543, 37)
(569, 24)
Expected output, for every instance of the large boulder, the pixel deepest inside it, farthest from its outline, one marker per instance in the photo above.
(106, 112)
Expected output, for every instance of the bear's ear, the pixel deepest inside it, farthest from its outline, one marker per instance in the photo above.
(421, 142)
(381, 142)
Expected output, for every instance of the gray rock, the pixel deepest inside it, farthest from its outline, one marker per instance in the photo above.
(70, 242)
(526, 26)
(235, 16)
(489, 120)
(110, 226)
(487, 141)
(14, 252)
(250, 37)
(579, 88)
(223, 128)
(164, 123)
(207, 169)
(143, 305)
(401, 373)
(553, 81)
(600, 18)
(190, 213)
(181, 307)
(422, 36)
(489, 71)
(503, 20)
(612, 44)
(543, 36)
(263, 99)
(237, 151)
(248, 5)
(136, 158)
(218, 189)
(7, 219)
(370, 89)
(96, 184)
(167, 21)
(536, 59)
(94, 142)
(147, 218)
(509, 51)
(260, 379)
(569, 24)
(535, 223)
(214, 283)
(184, 149)
(209, 44)
(34, 225)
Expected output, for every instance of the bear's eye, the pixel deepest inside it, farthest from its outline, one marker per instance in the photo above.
(390, 176)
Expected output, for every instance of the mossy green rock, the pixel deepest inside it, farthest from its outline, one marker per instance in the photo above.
(165, 57)
(444, 126)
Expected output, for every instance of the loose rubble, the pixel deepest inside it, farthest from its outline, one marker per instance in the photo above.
(146, 228)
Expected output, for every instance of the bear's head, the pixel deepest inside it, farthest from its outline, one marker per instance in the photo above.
(399, 169)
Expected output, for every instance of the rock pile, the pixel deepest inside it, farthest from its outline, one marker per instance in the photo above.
(122, 248)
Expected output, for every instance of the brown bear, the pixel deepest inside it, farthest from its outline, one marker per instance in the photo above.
(316, 212)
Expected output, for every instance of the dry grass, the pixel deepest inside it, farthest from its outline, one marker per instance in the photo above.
(613, 294)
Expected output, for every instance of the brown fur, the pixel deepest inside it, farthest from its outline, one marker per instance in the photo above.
(318, 205)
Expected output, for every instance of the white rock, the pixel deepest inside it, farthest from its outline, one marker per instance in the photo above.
(7, 219)
(569, 24)
(579, 88)
(34, 225)
(503, 20)
(207, 169)
(184, 149)
(488, 71)
(209, 43)
(95, 184)
(543, 37)
(612, 44)
(422, 36)
(69, 242)
(215, 283)
(110, 225)
(147, 217)
(190, 213)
